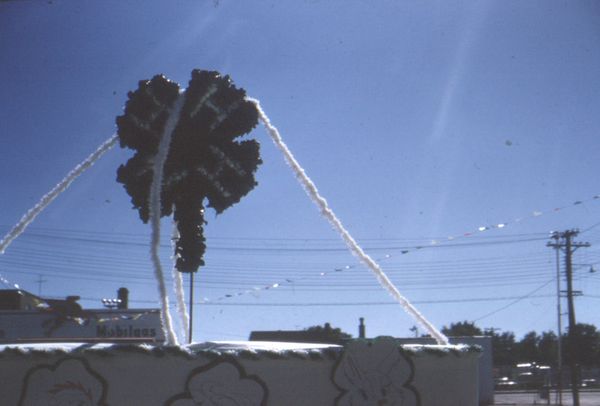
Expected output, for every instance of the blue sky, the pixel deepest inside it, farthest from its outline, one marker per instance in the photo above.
(417, 121)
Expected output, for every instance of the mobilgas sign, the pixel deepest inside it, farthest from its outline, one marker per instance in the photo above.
(141, 325)
(125, 331)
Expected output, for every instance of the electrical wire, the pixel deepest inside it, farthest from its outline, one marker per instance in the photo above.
(517, 300)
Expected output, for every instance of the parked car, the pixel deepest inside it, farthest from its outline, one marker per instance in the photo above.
(504, 383)
(590, 383)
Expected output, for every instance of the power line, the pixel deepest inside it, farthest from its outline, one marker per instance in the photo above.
(517, 300)
(69, 263)
(342, 304)
(284, 249)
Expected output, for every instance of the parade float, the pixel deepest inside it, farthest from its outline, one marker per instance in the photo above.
(188, 153)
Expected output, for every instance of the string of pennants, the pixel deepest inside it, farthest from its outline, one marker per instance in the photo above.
(434, 242)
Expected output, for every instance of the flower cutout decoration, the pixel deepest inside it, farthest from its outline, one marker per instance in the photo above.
(68, 382)
(221, 383)
(206, 164)
(375, 373)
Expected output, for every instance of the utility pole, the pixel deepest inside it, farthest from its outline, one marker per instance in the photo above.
(39, 281)
(570, 247)
(559, 381)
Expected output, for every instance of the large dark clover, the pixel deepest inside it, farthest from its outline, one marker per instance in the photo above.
(206, 163)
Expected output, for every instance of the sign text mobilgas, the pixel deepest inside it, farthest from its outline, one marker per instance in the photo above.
(124, 331)
(111, 325)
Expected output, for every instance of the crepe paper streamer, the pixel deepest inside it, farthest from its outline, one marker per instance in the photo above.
(48, 198)
(326, 211)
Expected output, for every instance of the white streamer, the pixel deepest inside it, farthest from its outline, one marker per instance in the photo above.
(184, 316)
(48, 198)
(321, 203)
(154, 205)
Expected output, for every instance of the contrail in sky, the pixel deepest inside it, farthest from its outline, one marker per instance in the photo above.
(321, 203)
(48, 198)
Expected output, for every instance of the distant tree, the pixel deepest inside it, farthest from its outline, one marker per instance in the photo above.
(585, 347)
(533, 347)
(527, 348)
(462, 329)
(503, 348)
(539, 348)
(548, 347)
(326, 331)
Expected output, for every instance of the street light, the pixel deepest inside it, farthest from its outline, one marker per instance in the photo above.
(111, 303)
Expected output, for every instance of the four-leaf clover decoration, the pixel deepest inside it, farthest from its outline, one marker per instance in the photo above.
(206, 163)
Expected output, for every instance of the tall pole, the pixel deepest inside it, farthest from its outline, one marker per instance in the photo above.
(568, 235)
(570, 247)
(39, 281)
(559, 383)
